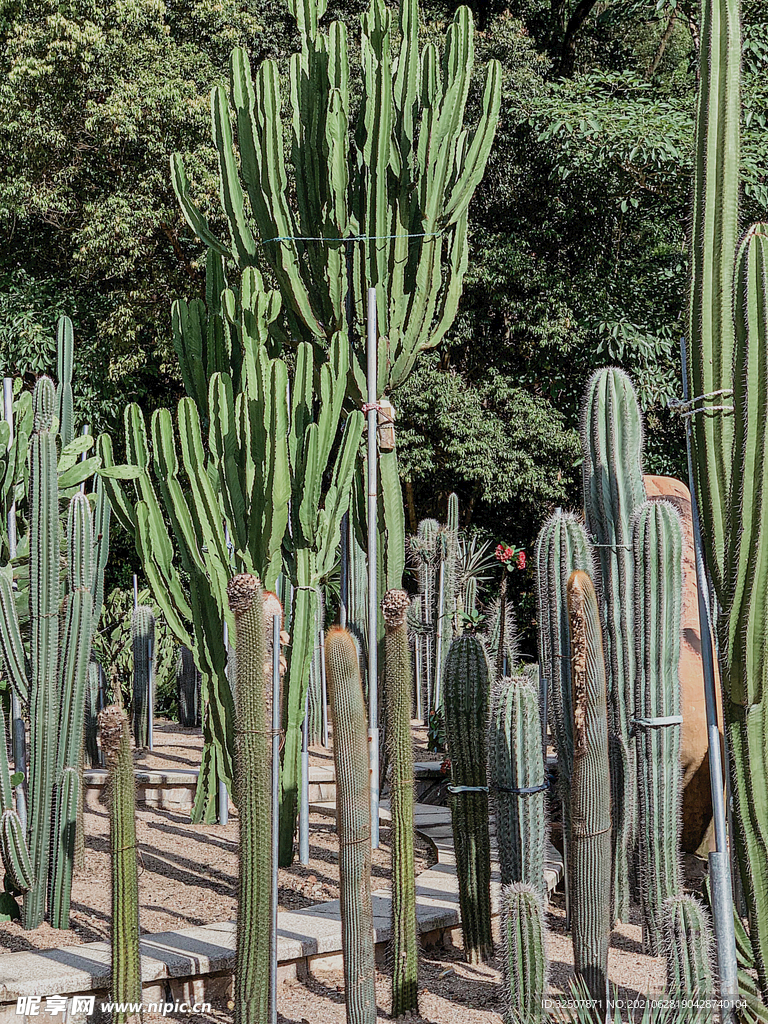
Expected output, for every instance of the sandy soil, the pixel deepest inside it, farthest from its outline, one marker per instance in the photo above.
(188, 877)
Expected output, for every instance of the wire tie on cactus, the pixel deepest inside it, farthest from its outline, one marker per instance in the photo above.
(613, 547)
(656, 723)
(521, 790)
(692, 408)
(468, 789)
(350, 238)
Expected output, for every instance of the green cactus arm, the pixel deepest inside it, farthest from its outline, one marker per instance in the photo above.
(337, 496)
(15, 855)
(184, 526)
(11, 645)
(63, 846)
(277, 474)
(714, 237)
(406, 85)
(309, 486)
(191, 212)
(64, 402)
(224, 446)
(162, 576)
(118, 500)
(102, 515)
(6, 789)
(333, 388)
(231, 193)
(188, 322)
(394, 518)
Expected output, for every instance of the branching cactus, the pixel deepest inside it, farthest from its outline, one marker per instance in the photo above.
(399, 697)
(688, 945)
(13, 844)
(612, 444)
(254, 802)
(562, 547)
(590, 794)
(524, 957)
(466, 723)
(126, 958)
(353, 822)
(516, 771)
(143, 638)
(657, 542)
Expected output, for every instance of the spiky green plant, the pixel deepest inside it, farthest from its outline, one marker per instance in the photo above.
(612, 444)
(517, 783)
(353, 823)
(126, 957)
(254, 803)
(688, 945)
(561, 547)
(590, 792)
(466, 707)
(143, 643)
(524, 959)
(188, 688)
(657, 545)
(399, 706)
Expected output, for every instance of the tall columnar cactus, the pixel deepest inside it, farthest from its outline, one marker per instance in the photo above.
(688, 945)
(126, 957)
(590, 792)
(562, 547)
(353, 818)
(399, 706)
(254, 802)
(65, 412)
(612, 444)
(143, 641)
(657, 544)
(466, 723)
(524, 953)
(517, 783)
(188, 689)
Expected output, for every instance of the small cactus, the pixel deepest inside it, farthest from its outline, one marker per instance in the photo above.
(126, 958)
(688, 946)
(466, 724)
(516, 769)
(590, 794)
(254, 803)
(188, 689)
(524, 958)
(143, 635)
(399, 695)
(353, 823)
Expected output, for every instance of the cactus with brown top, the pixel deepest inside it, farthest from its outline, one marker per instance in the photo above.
(399, 695)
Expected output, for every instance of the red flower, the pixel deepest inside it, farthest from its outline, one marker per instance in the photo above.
(521, 560)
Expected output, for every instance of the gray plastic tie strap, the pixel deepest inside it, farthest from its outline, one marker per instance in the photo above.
(656, 723)
(467, 789)
(522, 791)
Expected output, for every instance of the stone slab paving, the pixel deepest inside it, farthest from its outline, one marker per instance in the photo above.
(210, 949)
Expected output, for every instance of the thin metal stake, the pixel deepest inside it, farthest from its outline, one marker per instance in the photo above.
(323, 688)
(719, 869)
(275, 814)
(18, 731)
(417, 653)
(344, 587)
(304, 794)
(223, 794)
(373, 582)
(150, 699)
(135, 591)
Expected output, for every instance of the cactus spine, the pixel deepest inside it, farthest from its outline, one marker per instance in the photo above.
(188, 689)
(516, 769)
(657, 542)
(126, 957)
(143, 639)
(399, 696)
(612, 443)
(590, 795)
(353, 822)
(561, 547)
(524, 957)
(688, 946)
(466, 724)
(253, 788)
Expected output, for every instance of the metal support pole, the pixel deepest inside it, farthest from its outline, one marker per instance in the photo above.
(719, 869)
(18, 731)
(373, 581)
(323, 688)
(417, 653)
(276, 710)
(304, 792)
(344, 587)
(151, 699)
(135, 591)
(222, 791)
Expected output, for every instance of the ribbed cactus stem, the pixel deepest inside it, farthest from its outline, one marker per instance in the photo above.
(143, 637)
(254, 803)
(126, 958)
(561, 548)
(353, 823)
(516, 769)
(524, 958)
(398, 702)
(612, 444)
(466, 723)
(188, 689)
(657, 540)
(590, 793)
(688, 946)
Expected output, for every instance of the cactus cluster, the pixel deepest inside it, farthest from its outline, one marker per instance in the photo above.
(126, 957)
(467, 696)
(353, 823)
